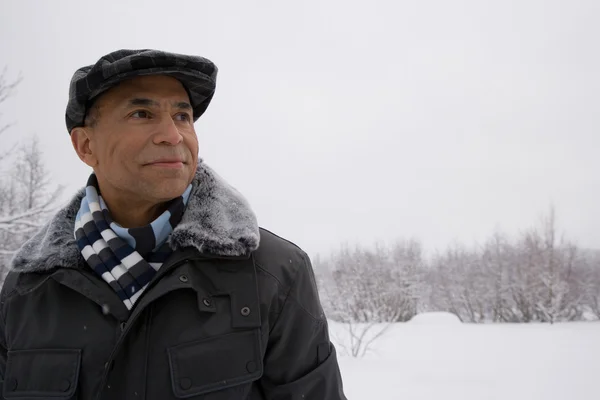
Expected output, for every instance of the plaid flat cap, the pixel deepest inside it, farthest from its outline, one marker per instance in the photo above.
(197, 74)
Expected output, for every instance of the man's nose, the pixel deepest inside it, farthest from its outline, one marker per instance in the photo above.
(168, 132)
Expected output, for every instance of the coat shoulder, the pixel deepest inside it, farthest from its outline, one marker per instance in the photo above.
(9, 287)
(292, 268)
(280, 257)
(20, 283)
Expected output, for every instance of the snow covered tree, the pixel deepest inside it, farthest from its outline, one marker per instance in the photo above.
(26, 200)
(26, 196)
(544, 278)
(589, 271)
(461, 284)
(380, 285)
(368, 290)
(498, 258)
(558, 298)
(523, 282)
(6, 90)
(538, 277)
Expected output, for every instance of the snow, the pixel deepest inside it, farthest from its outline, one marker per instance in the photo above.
(435, 318)
(449, 361)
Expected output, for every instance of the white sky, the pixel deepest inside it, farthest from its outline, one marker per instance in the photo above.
(354, 121)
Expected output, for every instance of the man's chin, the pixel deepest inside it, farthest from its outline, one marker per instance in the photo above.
(167, 165)
(170, 190)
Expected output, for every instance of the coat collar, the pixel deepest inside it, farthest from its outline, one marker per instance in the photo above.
(217, 221)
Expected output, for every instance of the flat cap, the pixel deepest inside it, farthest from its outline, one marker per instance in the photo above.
(197, 74)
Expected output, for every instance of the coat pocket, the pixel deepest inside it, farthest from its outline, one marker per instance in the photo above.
(42, 374)
(216, 363)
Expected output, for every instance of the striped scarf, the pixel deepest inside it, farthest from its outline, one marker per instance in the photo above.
(126, 258)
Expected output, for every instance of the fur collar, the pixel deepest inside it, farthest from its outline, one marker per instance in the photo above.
(217, 221)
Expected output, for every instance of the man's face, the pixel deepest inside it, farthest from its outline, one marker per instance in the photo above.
(142, 144)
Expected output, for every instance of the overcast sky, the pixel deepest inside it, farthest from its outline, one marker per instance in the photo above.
(354, 120)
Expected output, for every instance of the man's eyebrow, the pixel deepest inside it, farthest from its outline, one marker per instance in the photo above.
(184, 105)
(139, 101)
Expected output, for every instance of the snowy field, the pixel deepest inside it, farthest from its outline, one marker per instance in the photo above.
(437, 359)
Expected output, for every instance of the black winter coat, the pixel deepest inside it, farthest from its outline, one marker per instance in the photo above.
(233, 314)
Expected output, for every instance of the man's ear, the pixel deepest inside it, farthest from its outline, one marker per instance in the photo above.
(81, 138)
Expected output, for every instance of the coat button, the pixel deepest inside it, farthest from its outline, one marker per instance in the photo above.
(185, 383)
(65, 385)
(123, 326)
(251, 366)
(183, 278)
(14, 384)
(245, 311)
(207, 302)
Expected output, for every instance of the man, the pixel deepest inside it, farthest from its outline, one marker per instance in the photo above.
(156, 282)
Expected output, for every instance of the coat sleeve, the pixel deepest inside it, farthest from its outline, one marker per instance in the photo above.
(7, 289)
(3, 356)
(300, 361)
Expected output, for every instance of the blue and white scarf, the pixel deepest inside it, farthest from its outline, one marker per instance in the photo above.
(126, 258)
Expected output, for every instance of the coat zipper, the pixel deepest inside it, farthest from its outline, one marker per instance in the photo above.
(137, 311)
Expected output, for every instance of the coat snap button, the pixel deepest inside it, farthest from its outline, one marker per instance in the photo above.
(245, 311)
(14, 384)
(185, 383)
(207, 302)
(65, 385)
(251, 366)
(183, 278)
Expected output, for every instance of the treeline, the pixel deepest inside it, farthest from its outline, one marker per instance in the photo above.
(535, 277)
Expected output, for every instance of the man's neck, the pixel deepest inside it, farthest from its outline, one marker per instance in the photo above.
(133, 214)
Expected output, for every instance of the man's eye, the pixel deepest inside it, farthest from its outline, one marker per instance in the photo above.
(141, 114)
(183, 117)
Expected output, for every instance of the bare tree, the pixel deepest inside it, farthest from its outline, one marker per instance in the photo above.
(498, 258)
(462, 284)
(26, 199)
(589, 271)
(538, 277)
(524, 283)
(550, 290)
(6, 90)
(358, 338)
(368, 290)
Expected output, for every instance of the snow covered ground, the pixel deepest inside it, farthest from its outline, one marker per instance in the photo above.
(440, 359)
